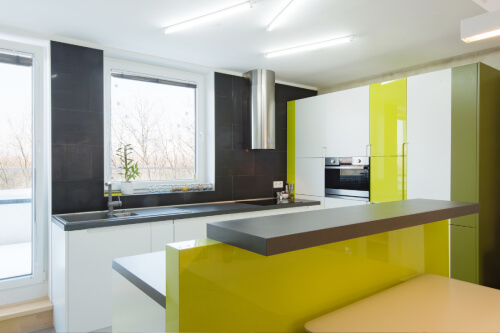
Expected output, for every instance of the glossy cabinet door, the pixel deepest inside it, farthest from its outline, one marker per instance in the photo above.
(338, 203)
(387, 179)
(347, 122)
(89, 283)
(388, 118)
(463, 254)
(309, 126)
(429, 136)
(196, 227)
(310, 176)
(162, 233)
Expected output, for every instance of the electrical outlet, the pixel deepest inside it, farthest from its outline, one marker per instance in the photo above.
(278, 184)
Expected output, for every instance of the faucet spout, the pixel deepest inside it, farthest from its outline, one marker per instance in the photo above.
(112, 204)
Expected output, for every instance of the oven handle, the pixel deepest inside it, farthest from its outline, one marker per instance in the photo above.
(345, 167)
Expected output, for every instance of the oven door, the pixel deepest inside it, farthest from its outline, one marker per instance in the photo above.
(348, 182)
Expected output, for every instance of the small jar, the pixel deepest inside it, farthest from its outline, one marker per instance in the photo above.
(199, 187)
(184, 188)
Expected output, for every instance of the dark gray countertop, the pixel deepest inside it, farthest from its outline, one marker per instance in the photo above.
(146, 272)
(289, 232)
(155, 214)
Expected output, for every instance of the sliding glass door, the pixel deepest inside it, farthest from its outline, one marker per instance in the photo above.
(16, 166)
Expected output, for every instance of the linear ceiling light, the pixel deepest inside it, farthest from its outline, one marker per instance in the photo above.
(209, 17)
(274, 21)
(310, 47)
(480, 27)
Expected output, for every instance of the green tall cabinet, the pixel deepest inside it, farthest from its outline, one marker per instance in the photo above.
(475, 173)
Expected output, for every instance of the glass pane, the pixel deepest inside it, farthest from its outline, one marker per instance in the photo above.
(16, 205)
(159, 122)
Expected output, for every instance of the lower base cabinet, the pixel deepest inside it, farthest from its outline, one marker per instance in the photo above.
(81, 272)
(463, 253)
(338, 203)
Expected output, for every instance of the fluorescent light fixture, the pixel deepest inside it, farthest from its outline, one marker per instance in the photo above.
(274, 21)
(480, 27)
(310, 47)
(209, 17)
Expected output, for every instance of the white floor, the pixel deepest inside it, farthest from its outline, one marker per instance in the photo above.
(15, 260)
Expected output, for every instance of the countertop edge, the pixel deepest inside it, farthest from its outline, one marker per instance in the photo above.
(74, 226)
(154, 294)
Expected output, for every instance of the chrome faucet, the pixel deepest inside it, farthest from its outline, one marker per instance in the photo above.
(112, 204)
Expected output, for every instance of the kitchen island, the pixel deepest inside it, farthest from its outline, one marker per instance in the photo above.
(213, 286)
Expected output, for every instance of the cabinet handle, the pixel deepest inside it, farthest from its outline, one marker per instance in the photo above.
(405, 148)
(368, 150)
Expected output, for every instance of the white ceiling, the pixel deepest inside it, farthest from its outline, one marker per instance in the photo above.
(391, 34)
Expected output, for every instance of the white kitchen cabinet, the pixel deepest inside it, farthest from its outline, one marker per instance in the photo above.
(338, 203)
(162, 233)
(196, 227)
(347, 122)
(429, 135)
(309, 126)
(89, 273)
(310, 176)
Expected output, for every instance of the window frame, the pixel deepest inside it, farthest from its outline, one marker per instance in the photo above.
(202, 170)
(41, 154)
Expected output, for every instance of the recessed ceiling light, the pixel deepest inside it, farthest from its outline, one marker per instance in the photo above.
(209, 17)
(480, 27)
(310, 47)
(274, 21)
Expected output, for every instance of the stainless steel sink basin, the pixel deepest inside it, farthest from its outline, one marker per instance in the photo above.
(103, 216)
(124, 214)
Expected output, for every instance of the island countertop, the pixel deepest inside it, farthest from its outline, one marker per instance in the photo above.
(289, 232)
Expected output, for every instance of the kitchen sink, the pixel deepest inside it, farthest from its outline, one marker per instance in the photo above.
(124, 214)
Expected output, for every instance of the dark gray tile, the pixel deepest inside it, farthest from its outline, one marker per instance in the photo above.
(281, 113)
(77, 196)
(97, 88)
(237, 101)
(97, 156)
(269, 162)
(243, 162)
(281, 144)
(223, 85)
(71, 162)
(252, 187)
(69, 56)
(224, 136)
(223, 110)
(237, 136)
(71, 90)
(77, 127)
(224, 163)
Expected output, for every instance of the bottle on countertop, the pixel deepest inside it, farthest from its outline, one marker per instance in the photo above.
(291, 193)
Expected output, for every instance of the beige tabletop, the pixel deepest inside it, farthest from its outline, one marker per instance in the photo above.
(428, 303)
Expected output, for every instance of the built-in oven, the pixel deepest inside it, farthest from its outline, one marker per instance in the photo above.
(347, 178)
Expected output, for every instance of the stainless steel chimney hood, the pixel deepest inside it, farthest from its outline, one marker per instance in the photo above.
(262, 109)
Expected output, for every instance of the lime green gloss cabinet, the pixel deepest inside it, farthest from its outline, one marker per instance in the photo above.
(475, 159)
(387, 179)
(388, 118)
(463, 264)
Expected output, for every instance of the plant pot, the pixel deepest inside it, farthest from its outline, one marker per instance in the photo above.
(127, 188)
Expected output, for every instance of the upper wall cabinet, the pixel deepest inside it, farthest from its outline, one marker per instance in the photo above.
(429, 136)
(309, 126)
(388, 118)
(347, 122)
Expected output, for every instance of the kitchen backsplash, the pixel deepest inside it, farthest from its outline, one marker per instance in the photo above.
(77, 139)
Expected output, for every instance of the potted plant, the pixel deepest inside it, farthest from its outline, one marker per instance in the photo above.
(130, 170)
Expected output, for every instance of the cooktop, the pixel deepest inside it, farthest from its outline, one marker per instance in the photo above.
(265, 202)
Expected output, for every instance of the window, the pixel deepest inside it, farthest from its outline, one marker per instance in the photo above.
(23, 150)
(157, 112)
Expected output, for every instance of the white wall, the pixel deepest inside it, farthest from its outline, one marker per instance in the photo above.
(490, 57)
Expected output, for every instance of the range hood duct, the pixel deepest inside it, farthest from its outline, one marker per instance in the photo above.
(262, 109)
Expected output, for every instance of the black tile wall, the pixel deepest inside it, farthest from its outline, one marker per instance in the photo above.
(78, 146)
(77, 128)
